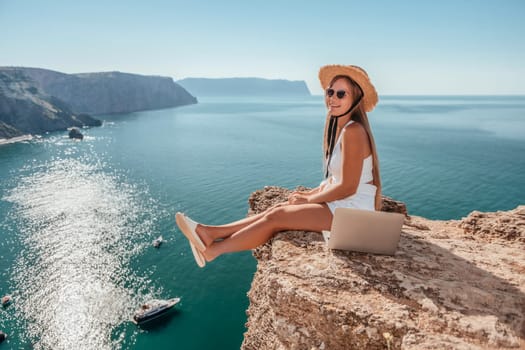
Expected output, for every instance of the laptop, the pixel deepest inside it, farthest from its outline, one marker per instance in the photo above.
(365, 231)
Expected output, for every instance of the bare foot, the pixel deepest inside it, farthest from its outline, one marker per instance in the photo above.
(209, 254)
(204, 235)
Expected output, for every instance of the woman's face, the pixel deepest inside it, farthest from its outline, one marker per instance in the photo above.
(340, 100)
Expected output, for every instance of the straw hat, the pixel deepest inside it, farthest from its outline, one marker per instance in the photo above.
(357, 74)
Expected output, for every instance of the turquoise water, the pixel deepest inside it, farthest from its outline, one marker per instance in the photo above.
(78, 218)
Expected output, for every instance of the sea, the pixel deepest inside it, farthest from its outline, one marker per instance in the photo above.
(77, 219)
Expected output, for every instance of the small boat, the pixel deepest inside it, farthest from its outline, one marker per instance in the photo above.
(3, 336)
(6, 300)
(157, 242)
(153, 309)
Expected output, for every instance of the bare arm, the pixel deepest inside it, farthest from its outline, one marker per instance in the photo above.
(354, 146)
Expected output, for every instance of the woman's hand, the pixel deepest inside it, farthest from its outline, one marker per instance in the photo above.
(307, 192)
(300, 193)
(298, 198)
(297, 193)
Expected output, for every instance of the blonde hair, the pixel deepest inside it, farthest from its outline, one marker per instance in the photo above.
(359, 115)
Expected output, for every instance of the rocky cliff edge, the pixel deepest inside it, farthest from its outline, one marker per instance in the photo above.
(457, 284)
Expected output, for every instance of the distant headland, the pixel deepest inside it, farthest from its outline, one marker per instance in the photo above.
(35, 100)
(244, 87)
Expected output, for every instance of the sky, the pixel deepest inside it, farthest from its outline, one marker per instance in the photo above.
(425, 47)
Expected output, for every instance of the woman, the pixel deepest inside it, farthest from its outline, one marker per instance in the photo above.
(351, 178)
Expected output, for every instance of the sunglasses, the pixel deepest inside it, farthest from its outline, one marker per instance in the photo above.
(339, 93)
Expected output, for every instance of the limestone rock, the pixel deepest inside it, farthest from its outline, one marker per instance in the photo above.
(507, 225)
(443, 289)
(393, 206)
(74, 133)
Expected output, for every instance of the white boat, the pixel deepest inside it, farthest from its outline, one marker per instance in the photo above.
(6, 300)
(153, 309)
(157, 242)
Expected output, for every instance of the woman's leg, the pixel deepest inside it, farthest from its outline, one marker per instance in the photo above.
(310, 217)
(210, 233)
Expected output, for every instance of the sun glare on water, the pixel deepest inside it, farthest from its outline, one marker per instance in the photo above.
(79, 229)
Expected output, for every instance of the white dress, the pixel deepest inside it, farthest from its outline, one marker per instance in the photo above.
(364, 197)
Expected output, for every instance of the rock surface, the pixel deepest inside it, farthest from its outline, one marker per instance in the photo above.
(456, 284)
(74, 133)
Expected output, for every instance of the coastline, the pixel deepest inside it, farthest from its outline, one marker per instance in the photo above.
(27, 137)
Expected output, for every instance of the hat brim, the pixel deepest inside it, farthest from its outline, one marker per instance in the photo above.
(329, 72)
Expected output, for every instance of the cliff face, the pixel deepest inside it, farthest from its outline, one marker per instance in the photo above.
(25, 109)
(244, 87)
(110, 92)
(451, 285)
(34, 100)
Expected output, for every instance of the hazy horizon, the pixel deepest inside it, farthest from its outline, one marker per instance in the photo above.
(312, 94)
(408, 48)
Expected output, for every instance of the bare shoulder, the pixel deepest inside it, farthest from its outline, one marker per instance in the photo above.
(355, 132)
(355, 140)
